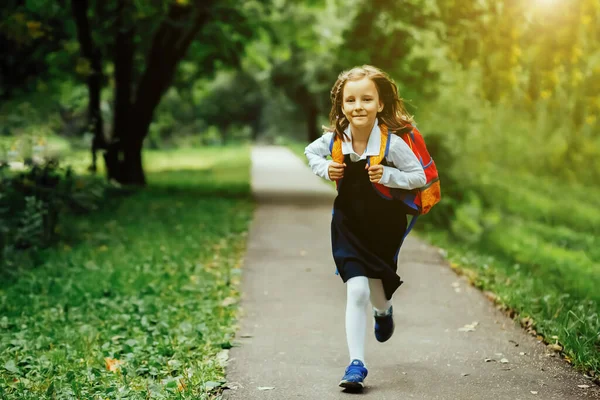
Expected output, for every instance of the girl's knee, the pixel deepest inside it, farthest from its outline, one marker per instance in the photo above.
(358, 291)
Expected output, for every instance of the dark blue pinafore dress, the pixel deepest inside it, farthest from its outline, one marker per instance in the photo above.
(366, 229)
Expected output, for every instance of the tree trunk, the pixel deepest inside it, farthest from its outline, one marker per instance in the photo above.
(133, 119)
(309, 104)
(312, 117)
(123, 58)
(132, 168)
(94, 81)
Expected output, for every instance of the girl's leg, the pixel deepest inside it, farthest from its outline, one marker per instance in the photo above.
(380, 303)
(356, 316)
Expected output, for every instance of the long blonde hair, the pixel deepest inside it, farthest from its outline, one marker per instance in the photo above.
(393, 115)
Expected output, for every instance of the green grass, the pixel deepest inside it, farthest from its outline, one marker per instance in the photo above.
(542, 260)
(150, 280)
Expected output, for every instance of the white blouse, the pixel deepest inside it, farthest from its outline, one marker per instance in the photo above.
(405, 172)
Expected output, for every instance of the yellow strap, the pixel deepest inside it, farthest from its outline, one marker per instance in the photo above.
(410, 142)
(336, 150)
(374, 160)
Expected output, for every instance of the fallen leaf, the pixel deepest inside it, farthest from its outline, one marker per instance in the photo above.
(534, 392)
(491, 296)
(464, 374)
(504, 361)
(526, 322)
(265, 388)
(112, 364)
(469, 327)
(228, 301)
(555, 347)
(489, 359)
(583, 386)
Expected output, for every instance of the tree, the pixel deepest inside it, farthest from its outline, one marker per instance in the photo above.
(301, 58)
(385, 34)
(223, 26)
(95, 76)
(323, 38)
(29, 32)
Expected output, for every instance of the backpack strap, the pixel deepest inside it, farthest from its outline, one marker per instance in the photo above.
(335, 149)
(410, 226)
(384, 147)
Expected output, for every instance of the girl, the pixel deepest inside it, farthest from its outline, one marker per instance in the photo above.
(366, 229)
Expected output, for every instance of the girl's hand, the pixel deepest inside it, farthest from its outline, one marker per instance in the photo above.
(375, 172)
(336, 171)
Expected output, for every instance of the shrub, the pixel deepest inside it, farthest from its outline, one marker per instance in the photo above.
(32, 203)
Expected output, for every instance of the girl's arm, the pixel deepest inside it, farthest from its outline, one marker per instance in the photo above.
(407, 172)
(316, 153)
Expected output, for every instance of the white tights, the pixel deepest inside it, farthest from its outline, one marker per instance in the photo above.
(360, 289)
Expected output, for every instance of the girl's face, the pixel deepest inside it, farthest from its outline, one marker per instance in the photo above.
(360, 103)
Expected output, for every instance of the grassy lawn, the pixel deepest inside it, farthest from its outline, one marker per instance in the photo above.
(140, 298)
(542, 259)
(15, 148)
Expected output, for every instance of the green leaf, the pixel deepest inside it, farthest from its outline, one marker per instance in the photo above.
(10, 366)
(213, 384)
(50, 390)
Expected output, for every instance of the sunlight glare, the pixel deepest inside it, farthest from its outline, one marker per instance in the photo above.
(547, 2)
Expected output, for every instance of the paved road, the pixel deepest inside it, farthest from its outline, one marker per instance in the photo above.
(292, 339)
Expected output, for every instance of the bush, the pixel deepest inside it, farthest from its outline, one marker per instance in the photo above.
(32, 203)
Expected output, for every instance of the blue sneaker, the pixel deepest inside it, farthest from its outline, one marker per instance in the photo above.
(355, 375)
(384, 325)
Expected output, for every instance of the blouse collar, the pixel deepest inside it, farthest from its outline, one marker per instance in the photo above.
(373, 145)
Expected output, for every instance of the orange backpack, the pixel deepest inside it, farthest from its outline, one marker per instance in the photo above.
(419, 201)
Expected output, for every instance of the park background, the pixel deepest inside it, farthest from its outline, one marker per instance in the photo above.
(125, 136)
